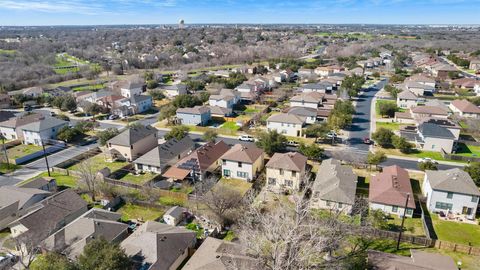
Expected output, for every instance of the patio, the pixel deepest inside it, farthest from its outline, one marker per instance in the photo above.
(461, 218)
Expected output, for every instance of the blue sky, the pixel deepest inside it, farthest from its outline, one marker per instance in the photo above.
(78, 12)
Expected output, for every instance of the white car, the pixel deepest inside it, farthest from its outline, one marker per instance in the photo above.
(331, 134)
(246, 138)
(293, 143)
(426, 159)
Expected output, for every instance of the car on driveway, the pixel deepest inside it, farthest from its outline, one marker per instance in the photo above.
(427, 159)
(293, 143)
(332, 134)
(246, 138)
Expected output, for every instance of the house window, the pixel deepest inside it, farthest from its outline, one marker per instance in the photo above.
(239, 164)
(449, 195)
(444, 206)
(474, 199)
(294, 174)
(226, 173)
(340, 205)
(433, 146)
(328, 203)
(242, 174)
(394, 209)
(131, 146)
(224, 162)
(289, 183)
(281, 171)
(272, 181)
(409, 211)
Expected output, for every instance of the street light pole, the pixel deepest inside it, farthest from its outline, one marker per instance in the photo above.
(5, 151)
(45, 156)
(403, 221)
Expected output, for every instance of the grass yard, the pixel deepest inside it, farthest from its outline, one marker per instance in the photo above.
(418, 154)
(252, 109)
(131, 211)
(22, 150)
(388, 125)
(456, 232)
(139, 179)
(91, 87)
(230, 126)
(7, 168)
(2, 51)
(239, 185)
(62, 180)
(412, 226)
(468, 150)
(98, 162)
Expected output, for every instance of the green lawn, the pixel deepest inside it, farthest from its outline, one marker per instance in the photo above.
(412, 226)
(7, 168)
(131, 211)
(388, 125)
(98, 162)
(456, 232)
(91, 87)
(468, 150)
(62, 180)
(22, 150)
(239, 185)
(430, 154)
(139, 179)
(2, 51)
(230, 126)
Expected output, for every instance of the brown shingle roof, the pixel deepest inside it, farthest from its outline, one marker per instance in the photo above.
(465, 106)
(243, 153)
(429, 110)
(291, 161)
(391, 187)
(286, 118)
(22, 120)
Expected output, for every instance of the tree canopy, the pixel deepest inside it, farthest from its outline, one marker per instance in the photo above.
(99, 254)
(105, 135)
(383, 137)
(177, 132)
(271, 142)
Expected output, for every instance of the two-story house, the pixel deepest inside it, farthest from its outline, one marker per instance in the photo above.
(242, 162)
(451, 190)
(130, 89)
(42, 131)
(309, 100)
(286, 124)
(133, 143)
(286, 171)
(174, 90)
(407, 99)
(133, 105)
(389, 191)
(198, 115)
(334, 187)
(465, 108)
(10, 128)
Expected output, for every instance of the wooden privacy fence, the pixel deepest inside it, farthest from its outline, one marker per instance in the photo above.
(456, 157)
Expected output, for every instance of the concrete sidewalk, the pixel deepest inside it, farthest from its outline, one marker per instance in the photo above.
(439, 161)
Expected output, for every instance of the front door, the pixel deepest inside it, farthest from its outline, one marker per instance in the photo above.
(467, 211)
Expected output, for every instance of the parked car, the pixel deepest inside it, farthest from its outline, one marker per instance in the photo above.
(427, 159)
(246, 138)
(331, 134)
(293, 143)
(367, 140)
(7, 261)
(53, 114)
(113, 117)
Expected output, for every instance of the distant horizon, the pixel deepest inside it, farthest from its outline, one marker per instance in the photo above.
(166, 12)
(233, 24)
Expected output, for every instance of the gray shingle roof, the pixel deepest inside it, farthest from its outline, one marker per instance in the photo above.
(407, 94)
(139, 98)
(286, 118)
(11, 194)
(47, 123)
(335, 182)
(133, 135)
(453, 180)
(303, 111)
(434, 130)
(166, 152)
(194, 110)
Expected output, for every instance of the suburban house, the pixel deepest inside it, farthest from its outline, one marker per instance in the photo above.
(248, 92)
(71, 239)
(475, 64)
(174, 90)
(134, 105)
(216, 254)
(308, 100)
(31, 92)
(43, 183)
(224, 101)
(453, 127)
(16, 201)
(430, 136)
(465, 83)
(198, 115)
(334, 187)
(388, 192)
(464, 108)
(418, 88)
(418, 260)
(429, 111)
(321, 87)
(199, 163)
(10, 129)
(286, 171)
(451, 190)
(174, 215)
(42, 130)
(286, 124)
(407, 99)
(159, 246)
(6, 115)
(50, 215)
(164, 155)
(133, 143)
(476, 88)
(242, 162)
(311, 115)
(220, 112)
(441, 71)
(130, 89)
(423, 79)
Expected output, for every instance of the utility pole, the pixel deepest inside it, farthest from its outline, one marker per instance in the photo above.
(45, 156)
(403, 220)
(5, 151)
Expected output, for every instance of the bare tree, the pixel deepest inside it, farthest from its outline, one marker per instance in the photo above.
(89, 177)
(225, 202)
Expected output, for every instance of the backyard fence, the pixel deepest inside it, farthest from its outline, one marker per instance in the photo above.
(58, 146)
(78, 158)
(11, 144)
(456, 157)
